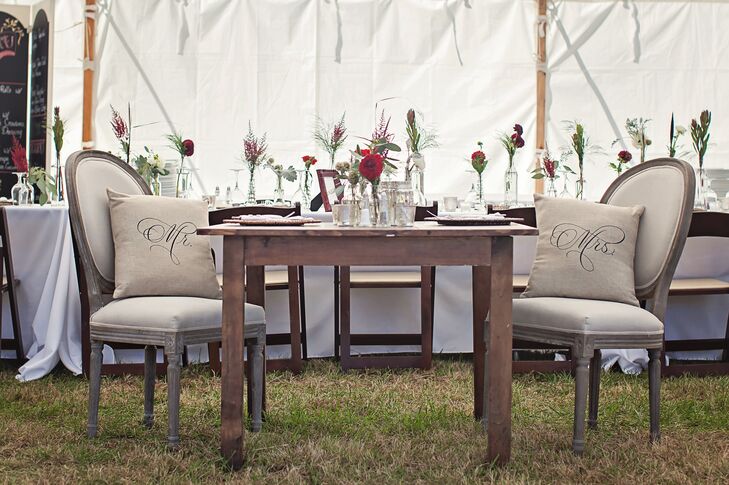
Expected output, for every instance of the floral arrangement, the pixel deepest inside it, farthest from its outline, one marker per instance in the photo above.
(19, 156)
(330, 137)
(419, 139)
(185, 148)
(150, 166)
(478, 159)
(45, 183)
(549, 168)
(123, 130)
(512, 143)
(700, 135)
(675, 133)
(281, 172)
(58, 129)
(254, 149)
(636, 128)
(624, 158)
(579, 146)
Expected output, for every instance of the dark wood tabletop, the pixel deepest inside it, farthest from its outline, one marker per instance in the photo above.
(420, 229)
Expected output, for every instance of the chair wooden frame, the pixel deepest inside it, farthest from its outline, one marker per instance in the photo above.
(296, 337)
(586, 347)
(342, 323)
(8, 286)
(96, 292)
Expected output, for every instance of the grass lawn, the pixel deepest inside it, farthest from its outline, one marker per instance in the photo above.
(373, 427)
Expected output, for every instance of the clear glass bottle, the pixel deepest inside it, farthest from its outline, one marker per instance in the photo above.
(19, 192)
(511, 188)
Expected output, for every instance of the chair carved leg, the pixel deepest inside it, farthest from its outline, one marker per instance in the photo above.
(595, 370)
(150, 375)
(581, 383)
(94, 387)
(174, 362)
(654, 391)
(258, 374)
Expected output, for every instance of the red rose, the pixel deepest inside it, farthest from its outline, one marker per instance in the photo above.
(189, 147)
(371, 166)
(518, 129)
(625, 156)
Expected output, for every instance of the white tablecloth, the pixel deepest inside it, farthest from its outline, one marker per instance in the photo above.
(50, 309)
(47, 296)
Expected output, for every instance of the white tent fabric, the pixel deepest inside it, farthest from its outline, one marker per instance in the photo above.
(206, 68)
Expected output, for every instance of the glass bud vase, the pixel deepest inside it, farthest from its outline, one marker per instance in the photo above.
(305, 188)
(378, 213)
(480, 203)
(155, 185)
(701, 200)
(19, 192)
(551, 189)
(580, 188)
(60, 196)
(278, 194)
(251, 200)
(511, 188)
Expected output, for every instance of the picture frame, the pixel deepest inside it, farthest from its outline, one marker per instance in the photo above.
(328, 186)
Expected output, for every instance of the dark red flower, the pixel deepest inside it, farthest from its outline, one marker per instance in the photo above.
(121, 131)
(518, 129)
(478, 156)
(309, 160)
(371, 166)
(189, 147)
(517, 140)
(18, 156)
(364, 152)
(624, 156)
(549, 167)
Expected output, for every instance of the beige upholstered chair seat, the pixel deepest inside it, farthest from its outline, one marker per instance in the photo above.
(698, 284)
(397, 278)
(520, 282)
(168, 313)
(584, 317)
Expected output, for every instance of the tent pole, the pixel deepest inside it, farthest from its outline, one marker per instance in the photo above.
(541, 83)
(87, 140)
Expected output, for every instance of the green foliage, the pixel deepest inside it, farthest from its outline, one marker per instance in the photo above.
(700, 135)
(45, 183)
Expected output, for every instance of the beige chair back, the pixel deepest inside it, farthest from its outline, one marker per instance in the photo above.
(88, 174)
(665, 187)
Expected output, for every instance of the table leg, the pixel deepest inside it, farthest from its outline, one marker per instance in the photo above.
(481, 281)
(231, 409)
(499, 351)
(426, 316)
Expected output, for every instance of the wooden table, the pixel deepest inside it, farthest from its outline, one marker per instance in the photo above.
(488, 249)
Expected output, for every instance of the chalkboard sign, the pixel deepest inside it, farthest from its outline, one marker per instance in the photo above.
(14, 41)
(38, 149)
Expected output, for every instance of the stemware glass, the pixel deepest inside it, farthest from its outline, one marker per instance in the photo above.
(237, 196)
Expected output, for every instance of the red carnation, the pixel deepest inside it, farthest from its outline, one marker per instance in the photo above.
(624, 156)
(19, 157)
(478, 156)
(364, 152)
(309, 160)
(371, 166)
(189, 147)
(518, 129)
(518, 140)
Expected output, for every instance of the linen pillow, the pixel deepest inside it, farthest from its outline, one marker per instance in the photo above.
(584, 250)
(157, 249)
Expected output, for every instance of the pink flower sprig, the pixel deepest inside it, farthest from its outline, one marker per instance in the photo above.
(122, 130)
(19, 156)
(254, 148)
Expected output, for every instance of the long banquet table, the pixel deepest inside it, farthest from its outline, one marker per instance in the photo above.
(50, 310)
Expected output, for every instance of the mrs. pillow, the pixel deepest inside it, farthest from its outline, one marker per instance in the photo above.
(584, 250)
(157, 249)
